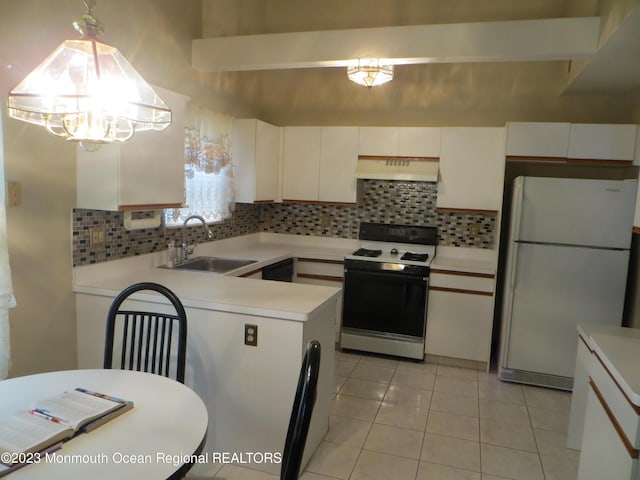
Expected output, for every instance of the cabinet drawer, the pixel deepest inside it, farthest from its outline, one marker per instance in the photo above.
(319, 269)
(466, 282)
(624, 413)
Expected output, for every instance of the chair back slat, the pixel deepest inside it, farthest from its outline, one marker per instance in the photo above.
(167, 354)
(145, 337)
(125, 336)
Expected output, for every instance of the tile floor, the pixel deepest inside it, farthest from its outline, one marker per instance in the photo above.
(401, 420)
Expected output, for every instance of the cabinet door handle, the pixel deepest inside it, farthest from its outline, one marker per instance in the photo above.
(461, 290)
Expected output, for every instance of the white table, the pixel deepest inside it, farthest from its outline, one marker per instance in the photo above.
(167, 425)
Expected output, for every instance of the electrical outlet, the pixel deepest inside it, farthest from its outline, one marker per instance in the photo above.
(325, 220)
(96, 237)
(250, 335)
(474, 229)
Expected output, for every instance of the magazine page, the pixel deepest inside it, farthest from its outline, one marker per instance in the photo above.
(24, 432)
(76, 407)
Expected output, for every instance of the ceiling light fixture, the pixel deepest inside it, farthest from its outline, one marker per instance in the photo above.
(370, 72)
(86, 91)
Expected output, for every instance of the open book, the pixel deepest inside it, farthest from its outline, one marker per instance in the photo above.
(56, 419)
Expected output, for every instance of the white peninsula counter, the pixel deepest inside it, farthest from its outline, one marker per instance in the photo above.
(248, 390)
(606, 400)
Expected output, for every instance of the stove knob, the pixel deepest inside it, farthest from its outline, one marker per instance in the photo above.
(394, 251)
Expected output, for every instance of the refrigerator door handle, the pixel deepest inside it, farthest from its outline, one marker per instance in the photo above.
(510, 275)
(516, 208)
(507, 305)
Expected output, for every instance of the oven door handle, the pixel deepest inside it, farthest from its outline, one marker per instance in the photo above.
(388, 274)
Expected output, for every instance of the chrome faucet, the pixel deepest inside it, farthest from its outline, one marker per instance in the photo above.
(185, 249)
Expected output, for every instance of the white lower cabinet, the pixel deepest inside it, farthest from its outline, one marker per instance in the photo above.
(460, 315)
(610, 446)
(579, 395)
(329, 273)
(603, 454)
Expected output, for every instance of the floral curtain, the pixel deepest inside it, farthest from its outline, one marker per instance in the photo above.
(209, 171)
(6, 292)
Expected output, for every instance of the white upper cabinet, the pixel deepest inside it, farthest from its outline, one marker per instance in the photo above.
(301, 162)
(256, 155)
(338, 160)
(319, 164)
(602, 142)
(419, 141)
(143, 173)
(571, 140)
(399, 141)
(537, 139)
(378, 141)
(471, 168)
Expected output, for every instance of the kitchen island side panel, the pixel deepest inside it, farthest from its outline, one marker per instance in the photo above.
(248, 390)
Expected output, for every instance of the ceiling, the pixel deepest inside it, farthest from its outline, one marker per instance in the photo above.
(491, 61)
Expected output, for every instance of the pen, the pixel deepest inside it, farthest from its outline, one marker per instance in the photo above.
(50, 414)
(44, 415)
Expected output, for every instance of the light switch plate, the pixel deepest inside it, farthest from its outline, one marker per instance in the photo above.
(14, 194)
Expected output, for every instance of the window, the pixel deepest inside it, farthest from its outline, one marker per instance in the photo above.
(209, 171)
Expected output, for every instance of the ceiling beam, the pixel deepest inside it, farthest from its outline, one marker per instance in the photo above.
(615, 67)
(507, 41)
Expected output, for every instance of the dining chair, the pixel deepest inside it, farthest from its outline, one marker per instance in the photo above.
(147, 337)
(300, 420)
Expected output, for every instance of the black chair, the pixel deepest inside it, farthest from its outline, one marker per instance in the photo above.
(147, 336)
(300, 419)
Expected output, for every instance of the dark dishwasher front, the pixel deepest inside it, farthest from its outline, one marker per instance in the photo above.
(281, 271)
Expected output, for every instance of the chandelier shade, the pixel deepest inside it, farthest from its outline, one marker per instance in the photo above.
(87, 91)
(370, 72)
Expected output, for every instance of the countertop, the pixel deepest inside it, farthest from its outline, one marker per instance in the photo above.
(293, 301)
(470, 260)
(619, 350)
(289, 301)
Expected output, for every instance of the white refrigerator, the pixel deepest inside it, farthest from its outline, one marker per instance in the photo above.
(567, 262)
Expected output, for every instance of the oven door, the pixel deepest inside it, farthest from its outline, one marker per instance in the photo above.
(385, 301)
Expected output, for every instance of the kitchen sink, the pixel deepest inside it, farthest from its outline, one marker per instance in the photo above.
(213, 264)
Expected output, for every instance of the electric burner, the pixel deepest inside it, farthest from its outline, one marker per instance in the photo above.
(415, 257)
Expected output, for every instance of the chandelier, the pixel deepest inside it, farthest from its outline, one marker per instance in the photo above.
(370, 72)
(86, 91)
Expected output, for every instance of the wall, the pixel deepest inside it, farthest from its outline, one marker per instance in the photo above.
(155, 35)
(410, 203)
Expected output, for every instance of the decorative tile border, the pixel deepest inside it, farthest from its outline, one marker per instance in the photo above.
(410, 203)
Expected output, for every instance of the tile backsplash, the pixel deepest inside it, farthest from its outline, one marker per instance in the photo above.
(402, 202)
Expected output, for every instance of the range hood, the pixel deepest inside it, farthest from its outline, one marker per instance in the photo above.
(398, 168)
